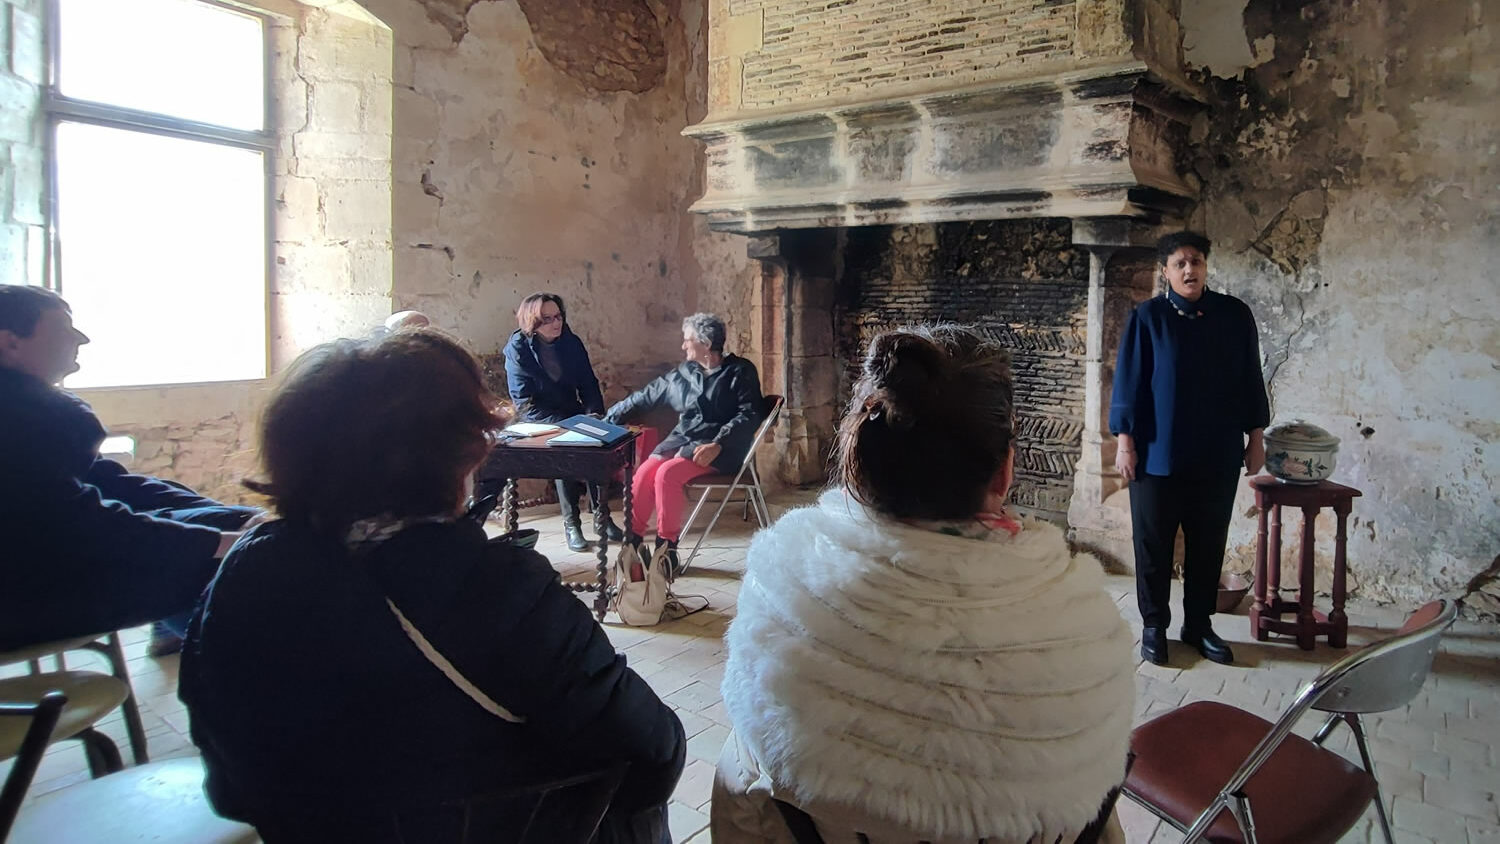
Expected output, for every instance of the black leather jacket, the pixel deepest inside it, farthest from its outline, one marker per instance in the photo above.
(722, 407)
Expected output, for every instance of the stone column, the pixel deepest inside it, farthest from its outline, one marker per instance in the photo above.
(1120, 275)
(797, 348)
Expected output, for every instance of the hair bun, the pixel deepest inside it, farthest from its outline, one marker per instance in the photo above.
(906, 370)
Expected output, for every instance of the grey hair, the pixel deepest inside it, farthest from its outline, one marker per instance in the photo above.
(707, 329)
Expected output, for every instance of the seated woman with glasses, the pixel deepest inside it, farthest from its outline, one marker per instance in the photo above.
(910, 661)
(430, 671)
(717, 397)
(551, 379)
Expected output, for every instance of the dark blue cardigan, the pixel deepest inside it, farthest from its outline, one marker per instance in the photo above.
(1188, 390)
(77, 555)
(537, 396)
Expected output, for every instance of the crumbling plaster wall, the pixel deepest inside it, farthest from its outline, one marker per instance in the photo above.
(518, 164)
(537, 146)
(1350, 187)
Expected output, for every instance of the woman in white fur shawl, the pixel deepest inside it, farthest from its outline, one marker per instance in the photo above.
(910, 661)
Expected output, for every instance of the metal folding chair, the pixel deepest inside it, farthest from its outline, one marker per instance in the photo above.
(747, 479)
(1200, 767)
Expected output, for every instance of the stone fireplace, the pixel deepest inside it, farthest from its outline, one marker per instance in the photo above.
(1002, 163)
(1022, 282)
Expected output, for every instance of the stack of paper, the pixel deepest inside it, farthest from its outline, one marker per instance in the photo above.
(574, 438)
(531, 429)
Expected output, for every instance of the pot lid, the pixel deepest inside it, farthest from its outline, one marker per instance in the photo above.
(1298, 432)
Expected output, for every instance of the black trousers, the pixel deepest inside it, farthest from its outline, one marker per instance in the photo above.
(1201, 506)
(568, 493)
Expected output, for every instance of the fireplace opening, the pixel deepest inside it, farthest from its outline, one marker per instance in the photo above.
(1023, 282)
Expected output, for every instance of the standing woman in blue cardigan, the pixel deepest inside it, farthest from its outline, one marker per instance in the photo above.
(1188, 410)
(550, 378)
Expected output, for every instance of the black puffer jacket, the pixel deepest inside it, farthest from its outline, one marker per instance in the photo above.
(308, 700)
(722, 407)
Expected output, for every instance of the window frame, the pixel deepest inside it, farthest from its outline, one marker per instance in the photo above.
(58, 108)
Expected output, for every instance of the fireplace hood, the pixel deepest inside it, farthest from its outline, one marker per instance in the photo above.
(1098, 129)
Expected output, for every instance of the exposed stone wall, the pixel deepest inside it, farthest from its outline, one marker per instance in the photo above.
(809, 51)
(519, 168)
(331, 77)
(516, 168)
(1349, 173)
(23, 244)
(776, 54)
(331, 255)
(1023, 282)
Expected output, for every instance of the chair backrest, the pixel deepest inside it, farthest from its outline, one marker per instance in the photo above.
(1388, 674)
(561, 811)
(43, 714)
(1376, 678)
(773, 410)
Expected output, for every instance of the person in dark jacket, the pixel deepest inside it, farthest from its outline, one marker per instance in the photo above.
(430, 666)
(719, 401)
(551, 378)
(1188, 410)
(88, 546)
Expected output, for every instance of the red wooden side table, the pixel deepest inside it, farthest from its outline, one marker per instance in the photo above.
(1265, 616)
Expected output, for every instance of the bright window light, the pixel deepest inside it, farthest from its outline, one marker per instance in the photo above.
(163, 246)
(180, 58)
(160, 176)
(118, 446)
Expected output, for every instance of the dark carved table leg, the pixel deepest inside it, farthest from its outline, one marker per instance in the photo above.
(601, 515)
(508, 502)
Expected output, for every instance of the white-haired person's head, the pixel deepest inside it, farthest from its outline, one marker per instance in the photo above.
(401, 320)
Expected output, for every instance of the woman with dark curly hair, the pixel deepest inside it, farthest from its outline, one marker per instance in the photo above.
(429, 667)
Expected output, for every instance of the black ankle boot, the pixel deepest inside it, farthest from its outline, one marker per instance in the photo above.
(1154, 645)
(1209, 644)
(666, 551)
(612, 531)
(576, 541)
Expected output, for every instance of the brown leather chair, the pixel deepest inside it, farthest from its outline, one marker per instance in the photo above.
(1202, 767)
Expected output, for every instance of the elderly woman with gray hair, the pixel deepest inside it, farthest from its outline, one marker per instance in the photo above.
(717, 397)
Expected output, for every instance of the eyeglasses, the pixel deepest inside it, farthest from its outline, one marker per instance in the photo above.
(548, 320)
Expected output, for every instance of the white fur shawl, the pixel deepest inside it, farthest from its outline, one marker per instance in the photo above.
(952, 686)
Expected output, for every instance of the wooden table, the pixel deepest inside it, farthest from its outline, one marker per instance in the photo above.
(533, 458)
(1265, 615)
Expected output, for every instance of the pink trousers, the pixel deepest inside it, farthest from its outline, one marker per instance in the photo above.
(657, 487)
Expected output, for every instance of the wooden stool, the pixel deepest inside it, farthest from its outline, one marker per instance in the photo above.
(1265, 616)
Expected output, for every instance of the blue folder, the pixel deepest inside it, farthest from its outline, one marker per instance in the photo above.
(604, 432)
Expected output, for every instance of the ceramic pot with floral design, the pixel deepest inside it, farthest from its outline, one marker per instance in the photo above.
(1300, 452)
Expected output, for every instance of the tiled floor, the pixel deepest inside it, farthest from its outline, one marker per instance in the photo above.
(1437, 759)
